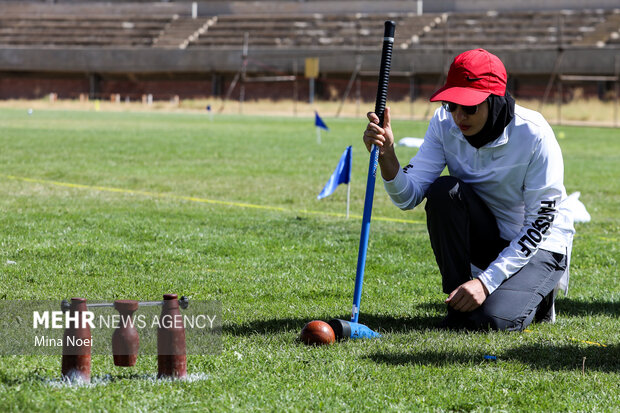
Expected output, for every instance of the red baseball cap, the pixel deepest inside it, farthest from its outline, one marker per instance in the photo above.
(472, 77)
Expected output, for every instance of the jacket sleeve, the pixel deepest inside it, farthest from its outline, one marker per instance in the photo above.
(542, 193)
(409, 186)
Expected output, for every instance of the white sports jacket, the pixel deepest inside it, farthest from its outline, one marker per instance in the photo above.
(519, 176)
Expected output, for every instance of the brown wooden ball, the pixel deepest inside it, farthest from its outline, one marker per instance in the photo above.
(317, 333)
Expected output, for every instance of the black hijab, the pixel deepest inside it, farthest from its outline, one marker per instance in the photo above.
(501, 112)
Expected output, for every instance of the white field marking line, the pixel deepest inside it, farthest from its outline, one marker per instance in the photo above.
(108, 378)
(200, 200)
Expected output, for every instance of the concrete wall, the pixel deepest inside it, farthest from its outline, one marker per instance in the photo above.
(394, 6)
(437, 6)
(95, 8)
(193, 74)
(164, 87)
(210, 8)
(525, 61)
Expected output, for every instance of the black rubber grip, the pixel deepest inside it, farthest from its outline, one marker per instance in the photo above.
(384, 71)
(342, 328)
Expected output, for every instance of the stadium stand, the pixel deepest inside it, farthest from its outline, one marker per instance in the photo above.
(83, 31)
(515, 29)
(182, 30)
(454, 30)
(161, 45)
(313, 30)
(607, 32)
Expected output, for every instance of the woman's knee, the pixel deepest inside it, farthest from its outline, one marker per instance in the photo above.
(444, 189)
(442, 193)
(482, 319)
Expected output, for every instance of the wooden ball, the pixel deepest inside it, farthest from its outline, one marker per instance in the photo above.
(317, 333)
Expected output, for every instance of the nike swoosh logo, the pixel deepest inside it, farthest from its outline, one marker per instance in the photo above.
(496, 156)
(473, 79)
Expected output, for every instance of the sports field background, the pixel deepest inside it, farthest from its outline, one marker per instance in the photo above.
(578, 111)
(132, 205)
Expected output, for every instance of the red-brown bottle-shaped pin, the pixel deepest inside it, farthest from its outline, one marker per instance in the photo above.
(76, 344)
(125, 340)
(171, 358)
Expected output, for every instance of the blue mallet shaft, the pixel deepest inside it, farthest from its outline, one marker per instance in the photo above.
(384, 76)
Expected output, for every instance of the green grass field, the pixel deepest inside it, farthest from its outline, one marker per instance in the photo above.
(134, 205)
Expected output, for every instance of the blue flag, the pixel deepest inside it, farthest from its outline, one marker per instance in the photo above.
(342, 174)
(318, 122)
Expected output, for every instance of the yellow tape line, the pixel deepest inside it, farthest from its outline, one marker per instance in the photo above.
(200, 200)
(592, 343)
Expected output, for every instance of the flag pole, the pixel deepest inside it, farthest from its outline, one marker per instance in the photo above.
(348, 196)
(318, 135)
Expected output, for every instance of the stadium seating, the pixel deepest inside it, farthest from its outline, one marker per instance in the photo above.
(310, 30)
(514, 29)
(182, 30)
(82, 31)
(540, 29)
(607, 32)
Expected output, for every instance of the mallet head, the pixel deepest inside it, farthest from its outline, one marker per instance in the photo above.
(348, 329)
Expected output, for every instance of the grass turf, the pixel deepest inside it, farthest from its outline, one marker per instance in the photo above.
(134, 205)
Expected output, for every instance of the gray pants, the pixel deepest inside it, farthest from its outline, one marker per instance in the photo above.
(463, 231)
